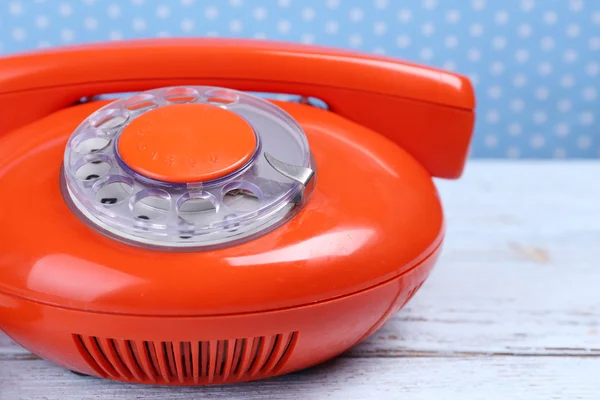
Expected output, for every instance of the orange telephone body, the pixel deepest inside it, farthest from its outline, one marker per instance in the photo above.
(292, 298)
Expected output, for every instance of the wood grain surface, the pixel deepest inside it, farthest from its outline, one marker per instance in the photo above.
(512, 311)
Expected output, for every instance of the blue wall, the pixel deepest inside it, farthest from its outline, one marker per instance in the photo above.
(535, 64)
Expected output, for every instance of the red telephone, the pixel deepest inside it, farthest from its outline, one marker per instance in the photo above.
(192, 233)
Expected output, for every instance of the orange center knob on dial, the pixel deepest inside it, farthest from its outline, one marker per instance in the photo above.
(183, 143)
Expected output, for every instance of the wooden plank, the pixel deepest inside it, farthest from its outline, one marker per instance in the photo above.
(519, 273)
(489, 378)
(511, 311)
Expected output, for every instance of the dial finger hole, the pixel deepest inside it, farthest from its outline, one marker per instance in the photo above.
(114, 190)
(92, 170)
(197, 208)
(151, 205)
(108, 119)
(242, 196)
(141, 103)
(221, 97)
(91, 145)
(180, 95)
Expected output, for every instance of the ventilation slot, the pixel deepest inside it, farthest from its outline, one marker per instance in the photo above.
(214, 361)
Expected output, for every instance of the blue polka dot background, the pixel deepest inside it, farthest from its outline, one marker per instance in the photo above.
(535, 64)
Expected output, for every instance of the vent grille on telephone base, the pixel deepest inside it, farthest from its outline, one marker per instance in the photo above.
(187, 363)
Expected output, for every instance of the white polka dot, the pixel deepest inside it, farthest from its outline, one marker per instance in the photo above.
(259, 35)
(212, 34)
(429, 4)
(499, 42)
(15, 8)
(515, 129)
(283, 26)
(560, 153)
(519, 80)
(259, 13)
(403, 41)
(138, 24)
(451, 42)
(381, 4)
(67, 35)
(524, 30)
(134, 2)
(453, 16)
(19, 34)
(545, 68)
(596, 18)
(495, 92)
(567, 81)
(333, 4)
(537, 141)
(476, 30)
(65, 9)
(404, 15)
(522, 55)
(550, 17)
(113, 11)
(236, 3)
(115, 35)
(573, 30)
(473, 55)
(163, 11)
(164, 34)
(211, 13)
(589, 93)
(517, 105)
(307, 38)
(542, 93)
(562, 129)
(474, 78)
(564, 105)
(90, 23)
(356, 14)
(547, 43)
(584, 142)
(501, 17)
(235, 26)
(492, 117)
(284, 3)
(540, 117)
(380, 28)
(478, 5)
(428, 29)
(586, 118)
(449, 65)
(308, 14)
(490, 140)
(497, 68)
(569, 56)
(594, 43)
(527, 5)
(42, 21)
(331, 27)
(426, 54)
(44, 44)
(592, 68)
(187, 25)
(576, 5)
(513, 152)
(355, 40)
(379, 50)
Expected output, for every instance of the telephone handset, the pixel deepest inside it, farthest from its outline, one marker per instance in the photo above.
(428, 112)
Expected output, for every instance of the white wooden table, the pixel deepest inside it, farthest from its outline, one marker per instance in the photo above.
(512, 311)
